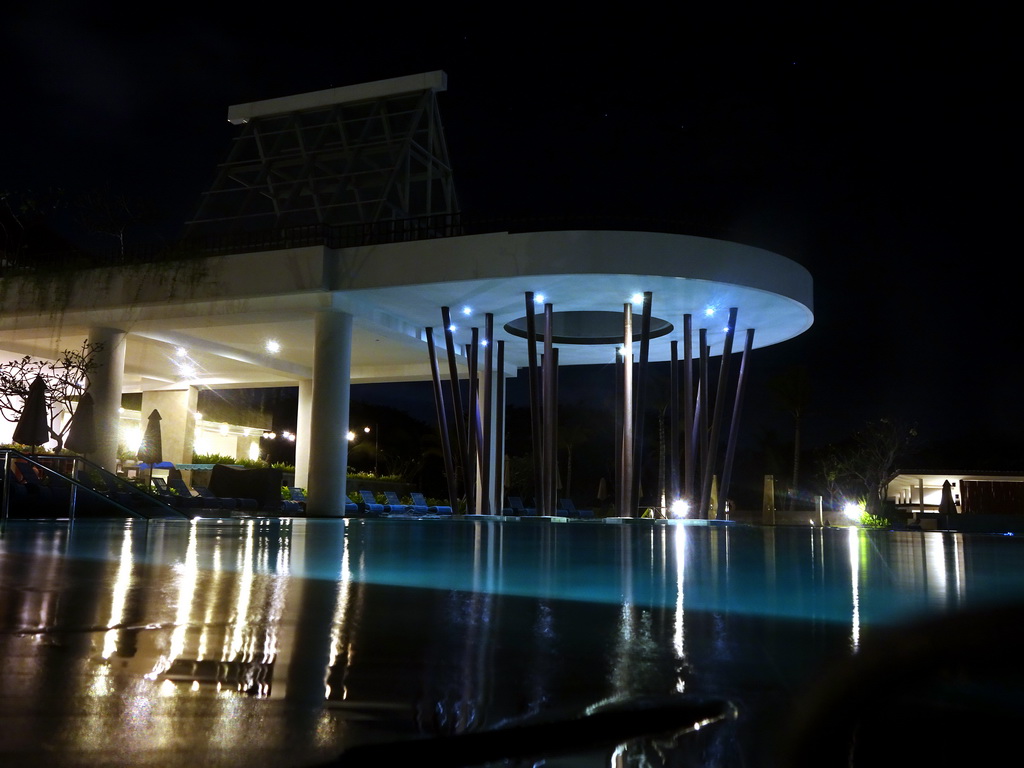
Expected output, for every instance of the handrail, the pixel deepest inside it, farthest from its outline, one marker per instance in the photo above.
(112, 481)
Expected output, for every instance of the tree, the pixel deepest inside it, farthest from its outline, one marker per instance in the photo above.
(872, 456)
(791, 391)
(27, 223)
(66, 378)
(831, 470)
(111, 214)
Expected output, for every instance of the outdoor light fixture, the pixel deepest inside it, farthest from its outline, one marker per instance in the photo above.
(181, 352)
(709, 312)
(538, 298)
(351, 436)
(680, 508)
(467, 311)
(452, 327)
(638, 298)
(854, 511)
(272, 346)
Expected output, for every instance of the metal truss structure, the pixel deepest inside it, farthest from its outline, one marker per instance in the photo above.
(331, 159)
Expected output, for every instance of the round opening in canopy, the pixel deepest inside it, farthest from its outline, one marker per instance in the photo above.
(588, 327)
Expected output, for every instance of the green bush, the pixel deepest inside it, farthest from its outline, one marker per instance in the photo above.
(212, 458)
(251, 463)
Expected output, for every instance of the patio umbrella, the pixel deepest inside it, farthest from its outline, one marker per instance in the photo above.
(151, 450)
(82, 435)
(33, 426)
(946, 504)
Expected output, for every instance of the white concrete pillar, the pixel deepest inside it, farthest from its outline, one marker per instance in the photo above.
(303, 431)
(328, 444)
(105, 384)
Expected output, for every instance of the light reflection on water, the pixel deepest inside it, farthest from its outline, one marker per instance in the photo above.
(365, 629)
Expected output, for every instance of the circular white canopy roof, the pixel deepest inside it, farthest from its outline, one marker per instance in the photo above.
(226, 310)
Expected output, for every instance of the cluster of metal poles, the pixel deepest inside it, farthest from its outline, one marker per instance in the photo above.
(703, 417)
(472, 449)
(471, 461)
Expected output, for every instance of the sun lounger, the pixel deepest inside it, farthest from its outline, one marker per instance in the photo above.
(369, 503)
(516, 507)
(246, 505)
(184, 492)
(419, 501)
(178, 500)
(296, 501)
(395, 505)
(570, 510)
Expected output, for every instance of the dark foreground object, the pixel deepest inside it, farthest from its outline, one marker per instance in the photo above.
(605, 727)
(946, 691)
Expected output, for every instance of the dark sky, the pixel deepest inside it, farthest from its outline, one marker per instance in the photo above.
(873, 148)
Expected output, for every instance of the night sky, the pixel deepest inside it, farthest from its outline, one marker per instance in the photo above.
(874, 149)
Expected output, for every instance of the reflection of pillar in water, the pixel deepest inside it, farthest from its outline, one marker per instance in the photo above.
(311, 650)
(768, 501)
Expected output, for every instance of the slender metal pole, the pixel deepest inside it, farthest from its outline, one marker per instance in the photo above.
(499, 428)
(626, 467)
(548, 399)
(473, 421)
(673, 421)
(487, 484)
(700, 432)
(688, 457)
(617, 364)
(456, 389)
(8, 479)
(641, 396)
(734, 425)
(535, 403)
(442, 423)
(716, 421)
(554, 431)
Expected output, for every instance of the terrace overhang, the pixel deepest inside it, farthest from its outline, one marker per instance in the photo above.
(225, 315)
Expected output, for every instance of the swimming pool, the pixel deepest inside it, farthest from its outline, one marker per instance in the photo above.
(282, 641)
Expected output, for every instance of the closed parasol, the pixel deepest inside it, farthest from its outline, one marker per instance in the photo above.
(82, 435)
(151, 449)
(33, 426)
(946, 504)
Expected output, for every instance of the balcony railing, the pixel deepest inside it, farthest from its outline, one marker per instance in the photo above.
(28, 260)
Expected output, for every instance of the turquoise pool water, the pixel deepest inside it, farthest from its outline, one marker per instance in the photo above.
(280, 642)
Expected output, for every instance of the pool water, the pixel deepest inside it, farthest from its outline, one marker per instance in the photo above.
(282, 642)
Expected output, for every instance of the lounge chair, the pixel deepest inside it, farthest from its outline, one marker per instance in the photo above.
(516, 507)
(296, 501)
(369, 503)
(178, 499)
(419, 500)
(395, 505)
(299, 498)
(570, 510)
(184, 492)
(246, 505)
